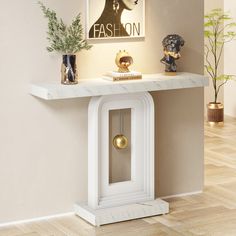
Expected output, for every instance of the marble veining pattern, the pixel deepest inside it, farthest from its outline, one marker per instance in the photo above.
(99, 86)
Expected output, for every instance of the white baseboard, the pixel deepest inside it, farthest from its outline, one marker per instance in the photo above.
(182, 194)
(36, 219)
(72, 213)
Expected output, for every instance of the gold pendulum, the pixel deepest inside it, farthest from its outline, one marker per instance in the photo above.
(120, 141)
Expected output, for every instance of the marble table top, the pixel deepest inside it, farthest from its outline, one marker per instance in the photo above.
(100, 86)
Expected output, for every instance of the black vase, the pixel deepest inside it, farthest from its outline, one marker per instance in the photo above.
(69, 73)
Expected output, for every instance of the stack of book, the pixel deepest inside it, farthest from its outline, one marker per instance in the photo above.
(118, 76)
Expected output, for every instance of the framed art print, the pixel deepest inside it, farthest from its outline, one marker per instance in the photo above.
(107, 19)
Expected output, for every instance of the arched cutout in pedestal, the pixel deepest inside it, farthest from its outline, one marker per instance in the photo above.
(141, 187)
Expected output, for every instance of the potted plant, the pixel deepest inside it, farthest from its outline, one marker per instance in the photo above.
(67, 40)
(218, 31)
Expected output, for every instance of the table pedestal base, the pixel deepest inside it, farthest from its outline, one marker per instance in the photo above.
(121, 213)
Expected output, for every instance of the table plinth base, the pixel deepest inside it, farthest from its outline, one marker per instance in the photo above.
(121, 213)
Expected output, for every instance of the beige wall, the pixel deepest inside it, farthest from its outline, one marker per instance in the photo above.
(229, 66)
(179, 141)
(43, 154)
(209, 91)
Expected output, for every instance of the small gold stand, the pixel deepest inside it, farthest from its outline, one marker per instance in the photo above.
(171, 73)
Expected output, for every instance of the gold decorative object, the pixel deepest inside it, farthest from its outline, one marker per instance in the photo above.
(69, 73)
(123, 61)
(120, 141)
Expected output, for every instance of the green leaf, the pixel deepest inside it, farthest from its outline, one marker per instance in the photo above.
(209, 68)
(224, 77)
(209, 23)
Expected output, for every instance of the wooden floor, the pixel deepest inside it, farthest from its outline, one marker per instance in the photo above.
(212, 213)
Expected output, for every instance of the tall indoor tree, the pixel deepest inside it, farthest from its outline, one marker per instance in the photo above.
(219, 30)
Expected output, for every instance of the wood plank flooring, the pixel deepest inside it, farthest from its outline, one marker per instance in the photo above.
(212, 213)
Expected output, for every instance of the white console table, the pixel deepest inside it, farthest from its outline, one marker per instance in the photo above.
(134, 198)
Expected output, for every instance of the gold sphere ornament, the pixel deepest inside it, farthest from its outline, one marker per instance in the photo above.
(123, 61)
(120, 141)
